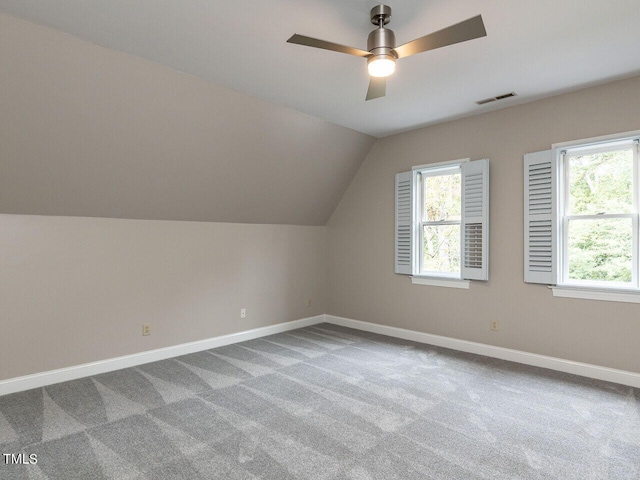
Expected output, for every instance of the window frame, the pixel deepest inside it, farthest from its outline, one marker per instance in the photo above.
(474, 244)
(607, 143)
(433, 170)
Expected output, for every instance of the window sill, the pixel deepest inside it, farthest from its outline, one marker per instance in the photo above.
(440, 282)
(628, 296)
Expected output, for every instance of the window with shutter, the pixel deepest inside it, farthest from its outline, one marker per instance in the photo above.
(442, 214)
(581, 217)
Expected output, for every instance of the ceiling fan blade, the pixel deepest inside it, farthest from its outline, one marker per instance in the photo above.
(336, 47)
(377, 88)
(460, 32)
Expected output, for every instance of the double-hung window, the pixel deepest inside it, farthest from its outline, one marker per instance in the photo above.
(442, 221)
(581, 215)
(440, 214)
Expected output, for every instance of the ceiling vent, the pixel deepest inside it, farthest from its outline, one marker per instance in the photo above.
(495, 99)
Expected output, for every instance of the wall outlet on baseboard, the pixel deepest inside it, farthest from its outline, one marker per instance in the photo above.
(146, 329)
(495, 325)
(243, 313)
(308, 303)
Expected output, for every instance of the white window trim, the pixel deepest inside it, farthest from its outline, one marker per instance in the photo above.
(474, 224)
(609, 294)
(453, 282)
(593, 290)
(448, 163)
(594, 140)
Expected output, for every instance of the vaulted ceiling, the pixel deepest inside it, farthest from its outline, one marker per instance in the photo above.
(535, 48)
(194, 110)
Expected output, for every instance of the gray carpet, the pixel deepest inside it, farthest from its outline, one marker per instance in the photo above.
(325, 402)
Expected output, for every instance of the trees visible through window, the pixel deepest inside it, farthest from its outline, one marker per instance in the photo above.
(442, 222)
(600, 217)
(581, 218)
(441, 202)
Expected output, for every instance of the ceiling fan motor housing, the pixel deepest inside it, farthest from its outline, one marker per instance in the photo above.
(381, 38)
(381, 41)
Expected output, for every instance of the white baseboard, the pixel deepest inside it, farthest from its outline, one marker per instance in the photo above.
(583, 369)
(42, 379)
(50, 377)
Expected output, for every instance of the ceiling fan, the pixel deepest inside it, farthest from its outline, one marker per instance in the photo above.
(382, 51)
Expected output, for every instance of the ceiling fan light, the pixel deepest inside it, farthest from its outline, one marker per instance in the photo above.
(381, 66)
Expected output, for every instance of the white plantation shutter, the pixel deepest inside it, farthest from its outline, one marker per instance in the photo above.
(404, 218)
(540, 224)
(475, 220)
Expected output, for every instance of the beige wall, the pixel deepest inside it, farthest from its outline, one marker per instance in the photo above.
(75, 290)
(88, 131)
(362, 284)
(93, 132)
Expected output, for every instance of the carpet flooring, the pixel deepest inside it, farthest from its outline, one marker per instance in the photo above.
(324, 402)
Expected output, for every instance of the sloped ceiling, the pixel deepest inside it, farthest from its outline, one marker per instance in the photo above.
(88, 131)
(535, 48)
(256, 129)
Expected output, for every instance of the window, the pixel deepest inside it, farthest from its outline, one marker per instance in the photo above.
(439, 211)
(581, 214)
(600, 216)
(442, 215)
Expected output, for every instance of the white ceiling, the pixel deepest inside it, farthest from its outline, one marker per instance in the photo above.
(535, 48)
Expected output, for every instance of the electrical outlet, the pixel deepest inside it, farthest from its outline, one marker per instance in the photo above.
(243, 313)
(146, 329)
(309, 303)
(495, 325)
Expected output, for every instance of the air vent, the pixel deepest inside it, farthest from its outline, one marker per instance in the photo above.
(495, 99)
